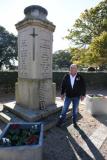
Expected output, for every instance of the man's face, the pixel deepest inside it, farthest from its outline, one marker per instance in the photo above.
(73, 70)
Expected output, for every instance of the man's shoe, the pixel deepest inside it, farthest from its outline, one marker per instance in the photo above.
(60, 121)
(75, 125)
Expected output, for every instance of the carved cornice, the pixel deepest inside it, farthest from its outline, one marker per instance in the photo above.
(33, 22)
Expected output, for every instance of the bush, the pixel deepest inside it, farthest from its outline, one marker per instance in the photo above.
(94, 80)
(7, 81)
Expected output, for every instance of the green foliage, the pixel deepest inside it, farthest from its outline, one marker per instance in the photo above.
(57, 78)
(61, 59)
(89, 35)
(7, 81)
(8, 77)
(90, 24)
(78, 56)
(19, 135)
(8, 48)
(97, 52)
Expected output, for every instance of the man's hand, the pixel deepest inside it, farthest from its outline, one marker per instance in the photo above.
(82, 98)
(62, 97)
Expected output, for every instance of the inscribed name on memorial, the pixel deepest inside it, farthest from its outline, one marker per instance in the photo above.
(45, 57)
(24, 54)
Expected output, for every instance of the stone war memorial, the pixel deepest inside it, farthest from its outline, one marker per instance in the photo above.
(35, 105)
(35, 87)
(35, 91)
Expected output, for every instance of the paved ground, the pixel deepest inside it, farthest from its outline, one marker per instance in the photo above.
(68, 143)
(87, 142)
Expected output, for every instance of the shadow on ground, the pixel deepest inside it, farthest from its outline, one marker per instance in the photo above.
(82, 154)
(59, 144)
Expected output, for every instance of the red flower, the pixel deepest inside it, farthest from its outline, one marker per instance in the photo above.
(32, 139)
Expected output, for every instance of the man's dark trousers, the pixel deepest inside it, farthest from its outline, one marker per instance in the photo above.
(75, 104)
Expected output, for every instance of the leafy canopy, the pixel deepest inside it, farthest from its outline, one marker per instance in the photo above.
(97, 52)
(61, 59)
(90, 24)
(8, 48)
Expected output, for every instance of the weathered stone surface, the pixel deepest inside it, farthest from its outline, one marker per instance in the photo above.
(35, 12)
(29, 114)
(35, 89)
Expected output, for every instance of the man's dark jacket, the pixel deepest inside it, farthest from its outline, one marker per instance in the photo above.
(78, 89)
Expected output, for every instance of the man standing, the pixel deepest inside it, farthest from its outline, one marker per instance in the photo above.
(73, 89)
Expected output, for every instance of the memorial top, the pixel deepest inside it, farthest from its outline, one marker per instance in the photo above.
(35, 12)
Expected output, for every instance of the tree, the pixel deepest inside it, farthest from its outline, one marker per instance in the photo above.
(90, 24)
(61, 59)
(78, 56)
(8, 48)
(96, 55)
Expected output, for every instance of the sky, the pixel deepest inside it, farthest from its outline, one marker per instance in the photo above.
(62, 13)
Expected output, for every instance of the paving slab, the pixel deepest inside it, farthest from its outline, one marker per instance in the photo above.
(97, 139)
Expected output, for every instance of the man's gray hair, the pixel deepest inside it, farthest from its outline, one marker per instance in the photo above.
(73, 65)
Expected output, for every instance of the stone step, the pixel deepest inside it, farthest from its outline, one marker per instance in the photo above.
(2, 126)
(49, 122)
(13, 117)
(5, 118)
(48, 117)
(30, 115)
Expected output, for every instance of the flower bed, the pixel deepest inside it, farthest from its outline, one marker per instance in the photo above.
(25, 139)
(96, 104)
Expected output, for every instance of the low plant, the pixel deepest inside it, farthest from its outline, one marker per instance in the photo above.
(18, 135)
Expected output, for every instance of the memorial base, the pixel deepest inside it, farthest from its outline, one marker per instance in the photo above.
(31, 115)
(35, 94)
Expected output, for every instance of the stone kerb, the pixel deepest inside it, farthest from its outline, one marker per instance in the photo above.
(96, 104)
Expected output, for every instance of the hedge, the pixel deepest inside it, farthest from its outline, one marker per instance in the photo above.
(7, 81)
(94, 80)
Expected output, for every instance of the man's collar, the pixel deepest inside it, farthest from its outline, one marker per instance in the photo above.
(74, 75)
